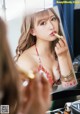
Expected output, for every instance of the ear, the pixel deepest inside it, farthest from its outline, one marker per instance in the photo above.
(32, 31)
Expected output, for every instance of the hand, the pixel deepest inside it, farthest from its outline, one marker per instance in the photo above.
(35, 98)
(61, 48)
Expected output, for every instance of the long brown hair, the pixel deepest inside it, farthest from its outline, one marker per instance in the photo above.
(8, 73)
(26, 39)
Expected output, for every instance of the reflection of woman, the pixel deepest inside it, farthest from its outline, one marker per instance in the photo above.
(37, 92)
(40, 49)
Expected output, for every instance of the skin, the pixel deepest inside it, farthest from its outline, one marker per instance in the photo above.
(43, 27)
(35, 98)
(43, 32)
(30, 61)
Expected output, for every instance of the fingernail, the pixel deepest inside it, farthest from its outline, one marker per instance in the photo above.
(43, 73)
(25, 83)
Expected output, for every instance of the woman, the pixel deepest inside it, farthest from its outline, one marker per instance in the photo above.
(36, 94)
(40, 49)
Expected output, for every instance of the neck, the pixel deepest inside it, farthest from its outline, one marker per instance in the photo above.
(43, 47)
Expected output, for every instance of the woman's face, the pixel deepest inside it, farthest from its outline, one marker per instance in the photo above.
(45, 26)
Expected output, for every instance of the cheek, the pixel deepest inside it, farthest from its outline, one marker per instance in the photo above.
(40, 31)
(41, 34)
(57, 26)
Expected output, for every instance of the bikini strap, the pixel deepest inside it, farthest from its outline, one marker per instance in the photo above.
(42, 68)
(38, 55)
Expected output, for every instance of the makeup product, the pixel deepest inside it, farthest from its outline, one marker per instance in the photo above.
(58, 36)
(29, 74)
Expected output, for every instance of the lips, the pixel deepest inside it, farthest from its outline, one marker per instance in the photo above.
(53, 33)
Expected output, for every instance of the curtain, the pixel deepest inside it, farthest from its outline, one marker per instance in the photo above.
(67, 16)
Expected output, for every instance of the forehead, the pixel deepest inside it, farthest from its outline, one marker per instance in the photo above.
(43, 15)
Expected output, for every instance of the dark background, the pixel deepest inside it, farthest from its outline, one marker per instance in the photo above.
(76, 32)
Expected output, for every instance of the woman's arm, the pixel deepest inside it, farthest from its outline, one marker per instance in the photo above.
(66, 69)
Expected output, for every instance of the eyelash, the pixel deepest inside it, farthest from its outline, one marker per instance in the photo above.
(53, 19)
(43, 23)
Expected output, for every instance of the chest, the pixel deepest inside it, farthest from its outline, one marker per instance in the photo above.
(47, 63)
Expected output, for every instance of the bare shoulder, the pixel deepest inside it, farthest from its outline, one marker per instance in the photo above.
(26, 60)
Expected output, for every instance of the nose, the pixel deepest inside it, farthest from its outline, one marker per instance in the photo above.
(50, 25)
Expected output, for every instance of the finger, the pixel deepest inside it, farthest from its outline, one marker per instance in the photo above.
(24, 97)
(46, 90)
(22, 77)
(64, 41)
(26, 105)
(44, 81)
(45, 86)
(62, 44)
(56, 49)
(58, 45)
(36, 86)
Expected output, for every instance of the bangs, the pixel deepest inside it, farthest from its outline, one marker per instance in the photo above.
(37, 16)
(42, 15)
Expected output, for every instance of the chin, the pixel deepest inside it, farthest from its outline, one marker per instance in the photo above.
(52, 39)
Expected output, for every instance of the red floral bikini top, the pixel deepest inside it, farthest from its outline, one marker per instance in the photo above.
(42, 69)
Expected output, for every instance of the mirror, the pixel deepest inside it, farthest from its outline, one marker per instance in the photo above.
(43, 47)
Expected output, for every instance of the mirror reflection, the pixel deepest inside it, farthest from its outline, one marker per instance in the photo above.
(43, 48)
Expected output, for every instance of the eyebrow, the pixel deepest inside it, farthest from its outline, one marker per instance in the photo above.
(45, 18)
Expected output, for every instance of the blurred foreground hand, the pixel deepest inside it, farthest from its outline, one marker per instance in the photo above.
(35, 97)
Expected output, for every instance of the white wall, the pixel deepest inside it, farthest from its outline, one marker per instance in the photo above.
(14, 18)
(14, 33)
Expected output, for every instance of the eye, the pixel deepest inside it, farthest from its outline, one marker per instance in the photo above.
(53, 19)
(43, 23)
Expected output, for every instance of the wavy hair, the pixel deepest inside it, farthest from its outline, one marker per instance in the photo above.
(26, 39)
